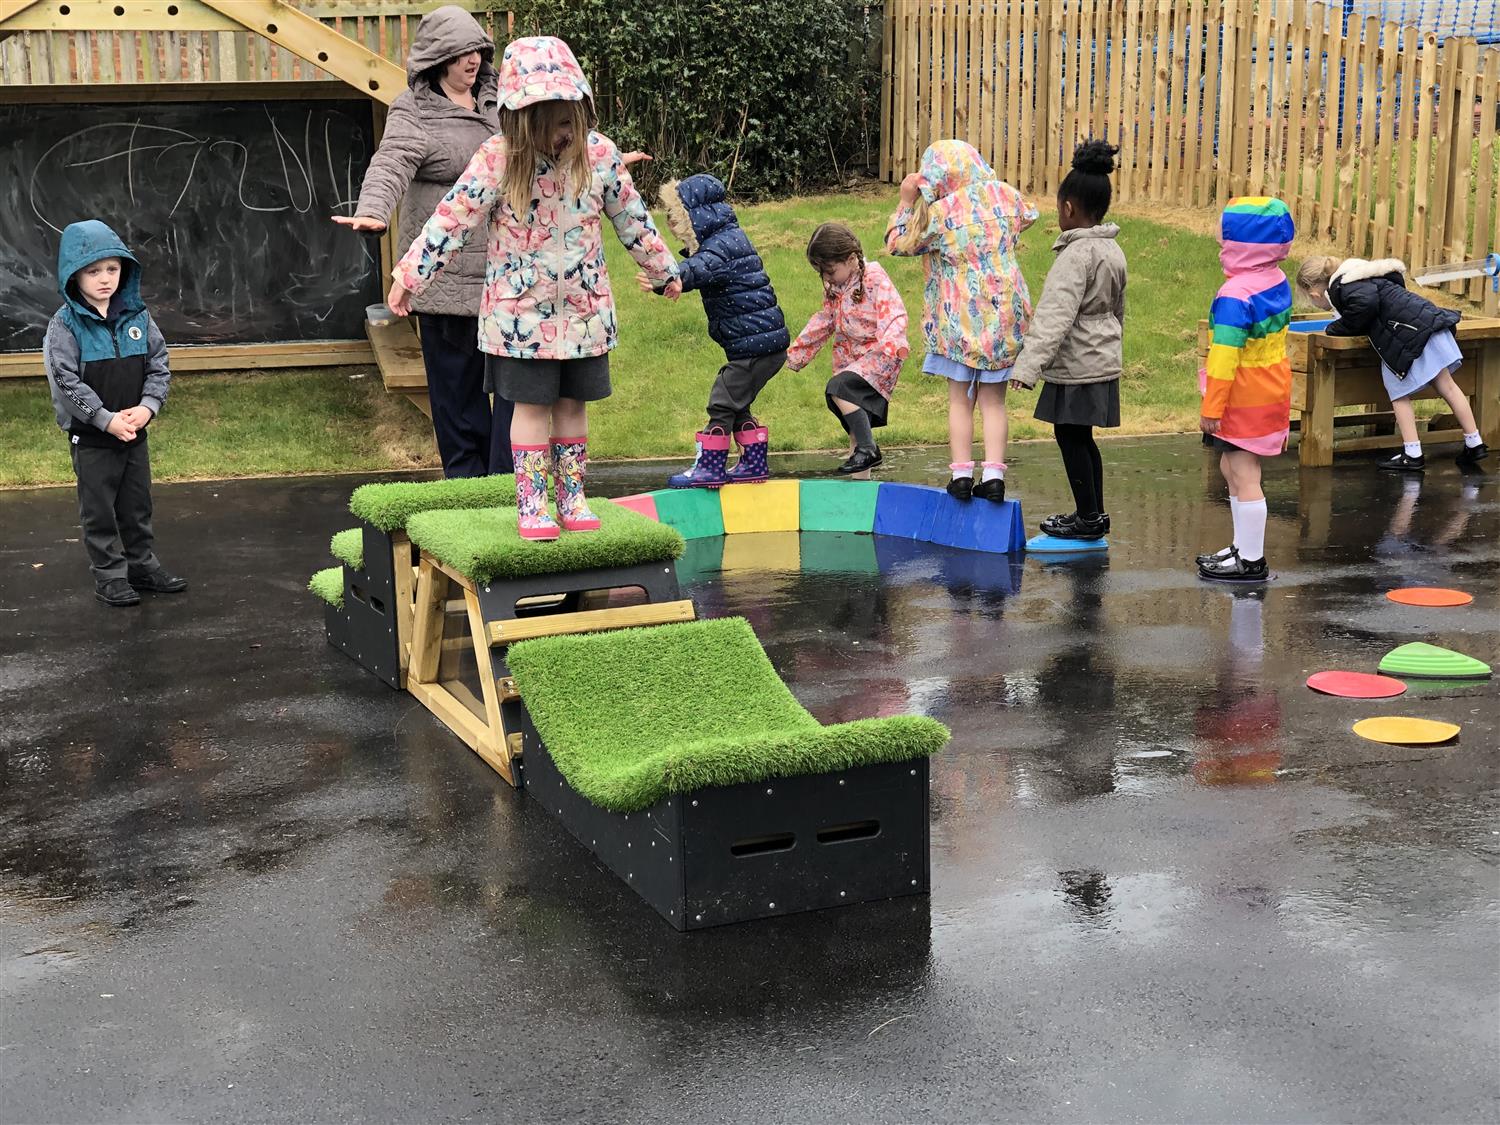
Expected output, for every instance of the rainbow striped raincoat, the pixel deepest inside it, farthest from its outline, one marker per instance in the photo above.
(1247, 381)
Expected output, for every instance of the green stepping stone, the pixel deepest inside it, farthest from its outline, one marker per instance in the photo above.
(1427, 661)
(838, 505)
(694, 512)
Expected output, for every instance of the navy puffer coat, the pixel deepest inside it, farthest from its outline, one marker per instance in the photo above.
(743, 316)
(1372, 300)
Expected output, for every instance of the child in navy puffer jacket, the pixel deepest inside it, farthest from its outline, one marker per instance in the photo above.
(743, 318)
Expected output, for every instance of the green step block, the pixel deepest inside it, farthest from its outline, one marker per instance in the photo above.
(694, 512)
(1426, 661)
(838, 505)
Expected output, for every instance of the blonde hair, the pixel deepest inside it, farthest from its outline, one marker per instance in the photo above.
(916, 227)
(1317, 270)
(831, 244)
(678, 220)
(527, 132)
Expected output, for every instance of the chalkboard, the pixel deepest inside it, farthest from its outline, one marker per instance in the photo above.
(225, 204)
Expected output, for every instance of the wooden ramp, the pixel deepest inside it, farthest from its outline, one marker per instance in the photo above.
(398, 354)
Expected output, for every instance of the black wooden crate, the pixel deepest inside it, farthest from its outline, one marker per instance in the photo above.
(737, 852)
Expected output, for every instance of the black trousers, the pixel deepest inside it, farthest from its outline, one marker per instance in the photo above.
(472, 438)
(114, 508)
(734, 391)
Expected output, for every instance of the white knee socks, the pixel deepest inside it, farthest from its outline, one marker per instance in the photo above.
(1250, 528)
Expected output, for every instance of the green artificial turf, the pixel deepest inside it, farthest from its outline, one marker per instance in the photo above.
(632, 716)
(329, 585)
(349, 547)
(389, 506)
(485, 545)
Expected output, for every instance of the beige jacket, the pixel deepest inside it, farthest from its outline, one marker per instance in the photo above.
(1077, 328)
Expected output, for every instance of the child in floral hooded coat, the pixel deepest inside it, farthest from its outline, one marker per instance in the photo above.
(967, 226)
(547, 316)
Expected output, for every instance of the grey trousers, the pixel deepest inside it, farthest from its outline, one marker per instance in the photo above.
(739, 381)
(114, 508)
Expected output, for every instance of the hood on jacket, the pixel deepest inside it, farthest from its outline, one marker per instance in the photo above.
(541, 68)
(85, 243)
(1255, 233)
(950, 166)
(446, 33)
(697, 209)
(1103, 230)
(1357, 269)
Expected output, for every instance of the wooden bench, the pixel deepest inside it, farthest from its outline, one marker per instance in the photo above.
(1334, 371)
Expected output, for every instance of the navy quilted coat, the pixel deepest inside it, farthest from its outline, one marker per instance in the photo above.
(743, 317)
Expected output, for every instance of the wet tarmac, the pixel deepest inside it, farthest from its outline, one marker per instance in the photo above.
(242, 880)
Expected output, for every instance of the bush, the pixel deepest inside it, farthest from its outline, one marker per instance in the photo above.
(772, 96)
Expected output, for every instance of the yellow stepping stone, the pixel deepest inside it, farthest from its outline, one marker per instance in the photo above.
(1399, 730)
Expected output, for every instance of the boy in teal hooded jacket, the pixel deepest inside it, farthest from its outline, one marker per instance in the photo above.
(107, 368)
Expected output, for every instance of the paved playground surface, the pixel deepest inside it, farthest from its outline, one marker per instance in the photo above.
(1169, 884)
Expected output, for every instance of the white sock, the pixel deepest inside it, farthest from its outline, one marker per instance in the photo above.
(961, 469)
(1250, 530)
(1472, 440)
(1413, 448)
(994, 470)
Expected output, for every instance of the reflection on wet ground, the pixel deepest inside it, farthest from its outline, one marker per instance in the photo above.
(239, 878)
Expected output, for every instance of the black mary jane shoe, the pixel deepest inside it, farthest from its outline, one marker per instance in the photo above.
(991, 490)
(862, 459)
(1223, 553)
(1078, 527)
(1404, 463)
(1232, 568)
(1469, 456)
(961, 488)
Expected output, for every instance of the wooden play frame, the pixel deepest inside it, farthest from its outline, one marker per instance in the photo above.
(310, 40)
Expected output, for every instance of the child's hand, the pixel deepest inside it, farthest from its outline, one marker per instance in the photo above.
(137, 416)
(1209, 425)
(636, 157)
(673, 289)
(911, 188)
(398, 299)
(120, 427)
(646, 284)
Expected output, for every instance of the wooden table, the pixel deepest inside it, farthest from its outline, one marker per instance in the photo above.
(1334, 371)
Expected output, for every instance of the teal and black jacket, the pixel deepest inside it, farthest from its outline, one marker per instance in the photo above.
(100, 365)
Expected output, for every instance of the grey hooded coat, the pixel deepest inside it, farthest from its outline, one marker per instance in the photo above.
(427, 144)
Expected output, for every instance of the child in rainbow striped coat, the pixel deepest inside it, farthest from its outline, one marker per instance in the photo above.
(1247, 382)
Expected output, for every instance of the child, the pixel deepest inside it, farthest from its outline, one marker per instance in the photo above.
(863, 313)
(743, 319)
(1247, 382)
(1074, 342)
(107, 368)
(547, 317)
(1412, 336)
(967, 225)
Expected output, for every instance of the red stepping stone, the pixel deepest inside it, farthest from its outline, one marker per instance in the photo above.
(1355, 685)
(1429, 596)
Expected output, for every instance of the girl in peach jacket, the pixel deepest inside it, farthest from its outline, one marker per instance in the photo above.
(967, 226)
(547, 315)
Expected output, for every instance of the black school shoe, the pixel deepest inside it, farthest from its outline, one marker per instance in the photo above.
(158, 581)
(1402, 463)
(1467, 457)
(1049, 524)
(1232, 568)
(991, 490)
(116, 592)
(961, 488)
(1078, 527)
(862, 459)
(1223, 553)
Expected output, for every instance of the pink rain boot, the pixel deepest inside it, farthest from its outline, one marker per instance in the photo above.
(752, 467)
(708, 469)
(532, 518)
(569, 460)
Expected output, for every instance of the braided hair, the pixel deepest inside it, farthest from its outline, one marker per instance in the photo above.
(1087, 185)
(831, 244)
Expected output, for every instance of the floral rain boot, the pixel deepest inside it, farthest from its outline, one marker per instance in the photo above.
(708, 469)
(752, 467)
(532, 518)
(569, 461)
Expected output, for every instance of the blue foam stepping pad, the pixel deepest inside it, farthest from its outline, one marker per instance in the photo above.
(1309, 325)
(1052, 545)
(930, 515)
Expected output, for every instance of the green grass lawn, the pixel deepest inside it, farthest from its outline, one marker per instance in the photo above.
(324, 420)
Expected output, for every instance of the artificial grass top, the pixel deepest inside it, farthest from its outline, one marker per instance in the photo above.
(632, 716)
(485, 545)
(390, 506)
(349, 547)
(328, 584)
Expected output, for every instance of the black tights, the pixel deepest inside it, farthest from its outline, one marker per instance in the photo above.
(1080, 454)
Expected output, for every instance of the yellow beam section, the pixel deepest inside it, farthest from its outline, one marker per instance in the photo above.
(9, 9)
(305, 37)
(109, 15)
(589, 621)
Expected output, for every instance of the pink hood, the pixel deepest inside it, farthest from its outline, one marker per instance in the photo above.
(541, 68)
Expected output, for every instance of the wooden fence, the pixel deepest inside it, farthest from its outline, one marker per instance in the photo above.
(126, 56)
(1380, 138)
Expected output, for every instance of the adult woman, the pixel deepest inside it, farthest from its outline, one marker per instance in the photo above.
(433, 128)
